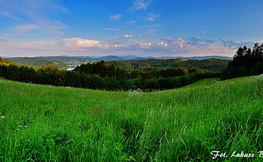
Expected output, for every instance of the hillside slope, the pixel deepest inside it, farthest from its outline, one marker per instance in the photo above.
(31, 61)
(45, 123)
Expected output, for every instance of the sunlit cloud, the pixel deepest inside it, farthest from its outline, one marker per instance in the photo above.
(115, 17)
(144, 45)
(80, 43)
(162, 44)
(128, 36)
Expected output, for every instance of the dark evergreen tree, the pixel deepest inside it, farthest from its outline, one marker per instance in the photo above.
(13, 72)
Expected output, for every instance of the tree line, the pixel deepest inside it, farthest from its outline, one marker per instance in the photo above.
(102, 76)
(148, 65)
(245, 62)
(37, 62)
(104, 69)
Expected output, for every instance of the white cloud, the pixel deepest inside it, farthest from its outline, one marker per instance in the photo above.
(140, 4)
(22, 28)
(131, 22)
(144, 45)
(151, 17)
(162, 44)
(80, 43)
(115, 17)
(129, 36)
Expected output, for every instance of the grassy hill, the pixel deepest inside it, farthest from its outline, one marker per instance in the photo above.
(45, 123)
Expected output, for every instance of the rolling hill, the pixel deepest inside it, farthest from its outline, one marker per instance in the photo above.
(46, 123)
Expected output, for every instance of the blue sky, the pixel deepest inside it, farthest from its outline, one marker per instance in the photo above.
(129, 27)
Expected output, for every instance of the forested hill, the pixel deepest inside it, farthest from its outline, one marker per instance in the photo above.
(37, 62)
(147, 65)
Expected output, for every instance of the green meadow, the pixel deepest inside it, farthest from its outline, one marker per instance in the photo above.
(46, 123)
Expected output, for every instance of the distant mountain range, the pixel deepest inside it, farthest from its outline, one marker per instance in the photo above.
(133, 57)
(130, 57)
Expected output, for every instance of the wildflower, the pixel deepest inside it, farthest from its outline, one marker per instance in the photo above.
(20, 125)
(17, 129)
(2, 117)
(25, 126)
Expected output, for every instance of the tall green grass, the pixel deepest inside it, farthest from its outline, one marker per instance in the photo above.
(45, 123)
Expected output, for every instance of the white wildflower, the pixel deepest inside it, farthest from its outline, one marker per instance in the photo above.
(25, 126)
(20, 125)
(2, 117)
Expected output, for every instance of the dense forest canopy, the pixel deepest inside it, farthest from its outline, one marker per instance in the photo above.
(150, 64)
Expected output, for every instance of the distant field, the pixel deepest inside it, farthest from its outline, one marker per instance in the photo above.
(45, 123)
